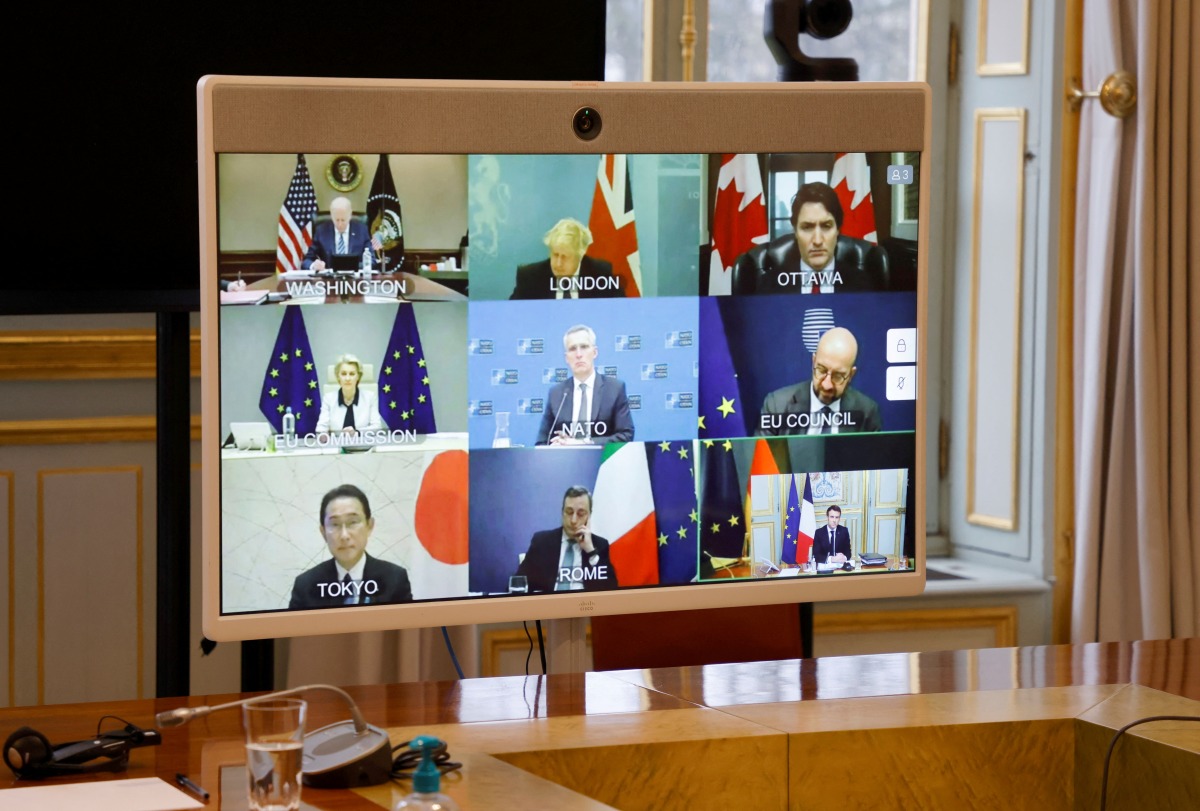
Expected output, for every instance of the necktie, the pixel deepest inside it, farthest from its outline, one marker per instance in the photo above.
(816, 286)
(341, 243)
(585, 408)
(567, 562)
(348, 590)
(826, 419)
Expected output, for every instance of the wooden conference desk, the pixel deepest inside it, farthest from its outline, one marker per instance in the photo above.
(1003, 727)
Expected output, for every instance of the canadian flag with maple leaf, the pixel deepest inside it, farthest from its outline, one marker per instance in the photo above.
(851, 181)
(739, 219)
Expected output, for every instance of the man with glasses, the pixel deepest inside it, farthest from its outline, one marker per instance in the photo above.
(827, 405)
(587, 408)
(351, 576)
(569, 558)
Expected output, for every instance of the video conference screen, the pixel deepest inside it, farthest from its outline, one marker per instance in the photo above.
(473, 376)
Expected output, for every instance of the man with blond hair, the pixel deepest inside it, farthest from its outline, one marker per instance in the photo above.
(568, 273)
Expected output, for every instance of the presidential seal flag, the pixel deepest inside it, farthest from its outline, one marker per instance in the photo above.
(384, 217)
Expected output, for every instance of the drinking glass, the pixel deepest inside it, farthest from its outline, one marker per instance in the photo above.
(274, 751)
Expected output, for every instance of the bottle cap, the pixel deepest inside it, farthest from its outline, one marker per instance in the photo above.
(426, 779)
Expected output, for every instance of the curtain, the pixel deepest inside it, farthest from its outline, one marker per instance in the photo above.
(1137, 330)
(381, 657)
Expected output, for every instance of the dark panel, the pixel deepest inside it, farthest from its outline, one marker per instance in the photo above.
(107, 132)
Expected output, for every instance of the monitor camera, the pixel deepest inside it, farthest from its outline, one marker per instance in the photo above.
(586, 123)
(783, 23)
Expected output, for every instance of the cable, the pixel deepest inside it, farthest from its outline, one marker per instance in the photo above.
(541, 645)
(525, 625)
(1112, 744)
(404, 764)
(449, 647)
(104, 718)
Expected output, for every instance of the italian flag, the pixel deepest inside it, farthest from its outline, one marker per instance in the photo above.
(623, 512)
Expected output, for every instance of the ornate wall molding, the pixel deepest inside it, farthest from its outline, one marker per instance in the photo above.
(92, 354)
(84, 430)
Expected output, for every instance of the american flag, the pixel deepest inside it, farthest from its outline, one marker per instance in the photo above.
(296, 219)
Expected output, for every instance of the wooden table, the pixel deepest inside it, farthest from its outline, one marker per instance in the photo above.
(1018, 727)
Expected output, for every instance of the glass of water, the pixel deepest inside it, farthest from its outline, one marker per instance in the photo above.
(274, 750)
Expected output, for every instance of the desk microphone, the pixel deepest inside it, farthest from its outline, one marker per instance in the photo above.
(346, 754)
(561, 403)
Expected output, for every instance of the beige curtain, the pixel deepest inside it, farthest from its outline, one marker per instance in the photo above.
(380, 657)
(1137, 330)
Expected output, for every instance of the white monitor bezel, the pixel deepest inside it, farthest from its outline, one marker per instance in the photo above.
(259, 114)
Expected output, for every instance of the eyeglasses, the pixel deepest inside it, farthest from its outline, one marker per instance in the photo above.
(838, 378)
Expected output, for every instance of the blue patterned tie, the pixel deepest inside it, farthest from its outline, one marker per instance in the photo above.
(341, 243)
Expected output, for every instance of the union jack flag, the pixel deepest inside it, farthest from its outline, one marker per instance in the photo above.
(614, 231)
(296, 220)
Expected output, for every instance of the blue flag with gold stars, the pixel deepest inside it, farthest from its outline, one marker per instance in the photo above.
(291, 377)
(673, 484)
(791, 522)
(721, 502)
(722, 411)
(405, 401)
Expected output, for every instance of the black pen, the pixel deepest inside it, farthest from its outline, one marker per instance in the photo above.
(182, 779)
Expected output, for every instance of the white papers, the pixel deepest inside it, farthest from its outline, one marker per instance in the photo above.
(137, 794)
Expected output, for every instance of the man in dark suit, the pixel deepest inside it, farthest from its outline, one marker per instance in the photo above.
(586, 408)
(340, 234)
(826, 404)
(832, 542)
(351, 577)
(816, 257)
(568, 273)
(569, 558)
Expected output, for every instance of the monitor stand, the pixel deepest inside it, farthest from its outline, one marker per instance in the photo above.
(566, 647)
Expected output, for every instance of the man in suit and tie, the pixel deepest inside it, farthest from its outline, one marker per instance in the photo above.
(570, 557)
(827, 404)
(568, 273)
(586, 408)
(351, 576)
(831, 543)
(340, 234)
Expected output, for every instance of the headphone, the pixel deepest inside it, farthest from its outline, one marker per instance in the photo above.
(32, 757)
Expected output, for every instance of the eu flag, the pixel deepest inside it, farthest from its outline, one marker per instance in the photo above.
(722, 533)
(405, 401)
(722, 410)
(791, 524)
(673, 484)
(291, 377)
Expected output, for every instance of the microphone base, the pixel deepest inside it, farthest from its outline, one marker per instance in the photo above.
(336, 757)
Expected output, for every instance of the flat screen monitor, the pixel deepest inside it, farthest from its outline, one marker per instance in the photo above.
(602, 349)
